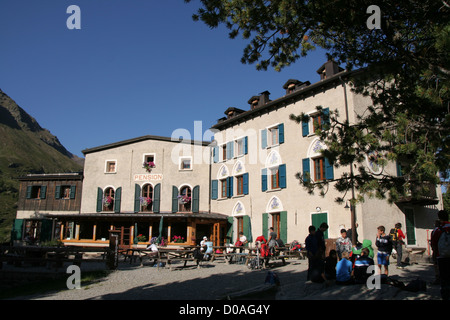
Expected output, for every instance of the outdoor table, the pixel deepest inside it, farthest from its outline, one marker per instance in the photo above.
(170, 255)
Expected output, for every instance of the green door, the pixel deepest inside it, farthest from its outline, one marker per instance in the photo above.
(317, 219)
(410, 227)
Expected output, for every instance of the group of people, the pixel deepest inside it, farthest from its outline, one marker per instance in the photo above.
(349, 263)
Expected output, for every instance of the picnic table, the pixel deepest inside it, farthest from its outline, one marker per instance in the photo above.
(170, 255)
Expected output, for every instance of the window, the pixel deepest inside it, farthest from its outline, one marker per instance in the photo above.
(240, 225)
(317, 120)
(275, 178)
(36, 192)
(241, 145)
(240, 185)
(273, 135)
(276, 224)
(110, 166)
(185, 199)
(108, 200)
(322, 170)
(149, 158)
(65, 192)
(224, 152)
(223, 188)
(186, 163)
(319, 169)
(147, 198)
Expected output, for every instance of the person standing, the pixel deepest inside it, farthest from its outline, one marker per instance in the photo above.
(440, 243)
(384, 245)
(398, 242)
(321, 239)
(312, 250)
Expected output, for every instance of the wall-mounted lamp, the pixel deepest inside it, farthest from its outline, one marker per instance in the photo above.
(346, 205)
(318, 209)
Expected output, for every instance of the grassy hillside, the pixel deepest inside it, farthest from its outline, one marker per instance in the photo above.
(25, 148)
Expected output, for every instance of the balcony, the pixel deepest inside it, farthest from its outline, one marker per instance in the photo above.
(421, 194)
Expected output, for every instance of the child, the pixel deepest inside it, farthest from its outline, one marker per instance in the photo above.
(343, 243)
(361, 266)
(344, 270)
(384, 245)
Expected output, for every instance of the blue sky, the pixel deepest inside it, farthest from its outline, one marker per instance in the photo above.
(136, 67)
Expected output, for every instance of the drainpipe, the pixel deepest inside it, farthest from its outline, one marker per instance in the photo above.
(352, 206)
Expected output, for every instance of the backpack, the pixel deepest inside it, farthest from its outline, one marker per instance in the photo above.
(264, 250)
(393, 234)
(444, 243)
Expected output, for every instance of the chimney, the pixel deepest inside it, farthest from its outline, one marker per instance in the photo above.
(293, 85)
(329, 69)
(232, 112)
(259, 101)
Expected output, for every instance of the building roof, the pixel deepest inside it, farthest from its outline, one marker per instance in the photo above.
(143, 138)
(52, 176)
(285, 100)
(128, 215)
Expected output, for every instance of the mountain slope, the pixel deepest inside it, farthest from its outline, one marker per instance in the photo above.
(25, 147)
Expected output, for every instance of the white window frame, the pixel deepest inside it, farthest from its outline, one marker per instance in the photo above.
(180, 163)
(107, 162)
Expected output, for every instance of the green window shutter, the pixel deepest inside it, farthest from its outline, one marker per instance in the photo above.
(230, 150)
(99, 200)
(305, 128)
(283, 226)
(43, 192)
(281, 133)
(245, 183)
(214, 189)
(57, 192)
(28, 194)
(410, 227)
(117, 199)
(230, 230)
(264, 138)
(17, 230)
(248, 228)
(329, 171)
(73, 193)
(326, 116)
(196, 199)
(265, 225)
(156, 198)
(216, 154)
(282, 174)
(46, 230)
(246, 145)
(399, 169)
(174, 199)
(229, 187)
(264, 179)
(137, 198)
(306, 170)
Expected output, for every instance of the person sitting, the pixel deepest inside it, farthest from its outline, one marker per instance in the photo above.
(344, 270)
(330, 265)
(361, 265)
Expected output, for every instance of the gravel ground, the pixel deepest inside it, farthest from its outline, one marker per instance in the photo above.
(217, 280)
